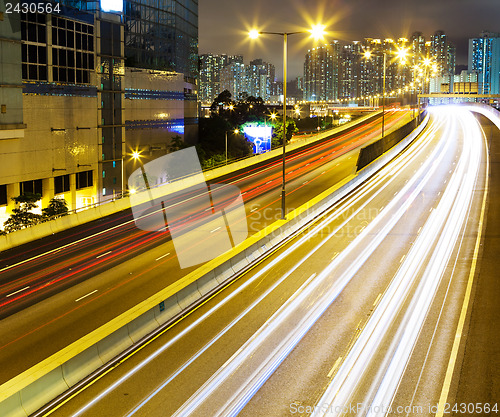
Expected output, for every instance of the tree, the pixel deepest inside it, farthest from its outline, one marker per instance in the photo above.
(22, 216)
(177, 144)
(57, 207)
(223, 99)
(291, 128)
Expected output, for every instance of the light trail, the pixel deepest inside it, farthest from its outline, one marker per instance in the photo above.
(308, 306)
(452, 212)
(364, 190)
(82, 263)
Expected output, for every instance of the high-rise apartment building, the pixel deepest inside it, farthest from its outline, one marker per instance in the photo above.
(233, 79)
(210, 70)
(318, 74)
(260, 76)
(444, 53)
(349, 67)
(417, 48)
(484, 57)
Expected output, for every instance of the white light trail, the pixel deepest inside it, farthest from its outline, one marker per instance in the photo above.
(452, 212)
(308, 310)
(379, 180)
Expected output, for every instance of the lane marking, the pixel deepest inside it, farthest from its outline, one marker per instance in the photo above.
(334, 367)
(377, 299)
(162, 256)
(255, 208)
(104, 254)
(15, 292)
(402, 259)
(217, 228)
(335, 255)
(85, 296)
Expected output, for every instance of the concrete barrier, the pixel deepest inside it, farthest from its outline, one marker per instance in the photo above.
(12, 407)
(43, 382)
(81, 365)
(35, 395)
(114, 344)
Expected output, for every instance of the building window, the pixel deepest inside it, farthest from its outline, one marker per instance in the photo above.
(34, 47)
(72, 53)
(84, 179)
(61, 184)
(34, 187)
(3, 195)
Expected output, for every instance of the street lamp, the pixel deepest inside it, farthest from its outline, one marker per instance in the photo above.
(235, 131)
(317, 32)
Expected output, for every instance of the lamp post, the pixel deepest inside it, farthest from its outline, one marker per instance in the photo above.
(235, 131)
(316, 32)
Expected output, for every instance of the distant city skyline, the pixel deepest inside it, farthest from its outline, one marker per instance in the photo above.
(223, 25)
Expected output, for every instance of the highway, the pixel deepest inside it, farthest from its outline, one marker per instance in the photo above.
(58, 289)
(355, 316)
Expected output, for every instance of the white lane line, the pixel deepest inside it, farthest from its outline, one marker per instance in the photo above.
(305, 182)
(334, 367)
(377, 299)
(162, 256)
(15, 292)
(255, 208)
(104, 254)
(217, 228)
(210, 208)
(81, 298)
(335, 255)
(402, 259)
(269, 182)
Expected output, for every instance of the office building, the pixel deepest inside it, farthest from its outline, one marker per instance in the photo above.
(72, 113)
(160, 35)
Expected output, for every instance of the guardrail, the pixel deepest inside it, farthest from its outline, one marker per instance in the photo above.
(31, 390)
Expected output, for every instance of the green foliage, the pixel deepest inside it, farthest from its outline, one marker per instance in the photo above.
(57, 207)
(22, 216)
(177, 144)
(291, 128)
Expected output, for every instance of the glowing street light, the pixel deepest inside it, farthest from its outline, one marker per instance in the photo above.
(317, 32)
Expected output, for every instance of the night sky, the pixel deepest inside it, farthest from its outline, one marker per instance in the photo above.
(223, 24)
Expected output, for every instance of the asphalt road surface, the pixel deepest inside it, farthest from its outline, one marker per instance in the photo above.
(356, 316)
